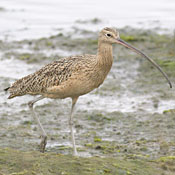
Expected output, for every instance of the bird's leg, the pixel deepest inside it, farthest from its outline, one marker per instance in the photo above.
(43, 133)
(74, 100)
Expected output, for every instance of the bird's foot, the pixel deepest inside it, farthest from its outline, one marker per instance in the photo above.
(43, 143)
(75, 153)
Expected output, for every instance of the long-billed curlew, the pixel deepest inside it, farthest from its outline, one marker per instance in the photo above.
(72, 77)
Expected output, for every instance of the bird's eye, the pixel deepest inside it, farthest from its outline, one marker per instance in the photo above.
(108, 35)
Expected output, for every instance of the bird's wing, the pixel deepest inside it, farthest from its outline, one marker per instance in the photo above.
(52, 74)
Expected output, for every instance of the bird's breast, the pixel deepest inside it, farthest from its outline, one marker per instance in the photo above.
(79, 83)
(100, 75)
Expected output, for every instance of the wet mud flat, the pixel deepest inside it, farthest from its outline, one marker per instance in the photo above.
(126, 126)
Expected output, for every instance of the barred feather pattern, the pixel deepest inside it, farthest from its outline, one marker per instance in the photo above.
(50, 75)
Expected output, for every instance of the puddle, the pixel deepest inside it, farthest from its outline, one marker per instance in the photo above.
(129, 114)
(35, 19)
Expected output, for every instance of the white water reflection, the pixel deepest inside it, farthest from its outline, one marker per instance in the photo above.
(126, 102)
(33, 19)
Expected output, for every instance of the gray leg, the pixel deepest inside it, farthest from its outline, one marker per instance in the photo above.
(43, 133)
(74, 100)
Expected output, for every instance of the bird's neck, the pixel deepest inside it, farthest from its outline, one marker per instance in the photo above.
(104, 55)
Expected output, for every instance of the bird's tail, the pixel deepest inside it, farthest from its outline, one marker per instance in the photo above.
(6, 89)
(11, 94)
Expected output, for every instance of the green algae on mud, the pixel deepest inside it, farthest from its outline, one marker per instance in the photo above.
(13, 162)
(93, 21)
(141, 134)
(85, 43)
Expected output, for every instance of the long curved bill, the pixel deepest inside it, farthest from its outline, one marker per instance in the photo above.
(120, 41)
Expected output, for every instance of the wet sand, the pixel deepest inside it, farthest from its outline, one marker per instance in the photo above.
(132, 115)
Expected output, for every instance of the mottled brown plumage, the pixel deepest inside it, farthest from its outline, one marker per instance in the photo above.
(72, 77)
(67, 73)
(49, 76)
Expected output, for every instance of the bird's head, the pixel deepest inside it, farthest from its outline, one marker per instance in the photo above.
(111, 36)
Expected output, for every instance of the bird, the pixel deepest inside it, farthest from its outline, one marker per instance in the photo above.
(72, 77)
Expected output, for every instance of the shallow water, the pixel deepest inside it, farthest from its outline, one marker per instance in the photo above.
(118, 112)
(34, 19)
(128, 112)
(13, 69)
